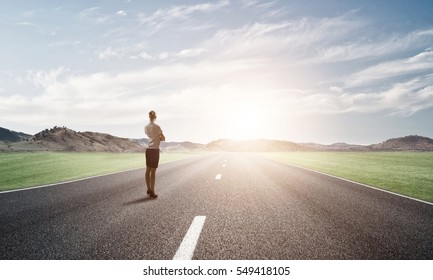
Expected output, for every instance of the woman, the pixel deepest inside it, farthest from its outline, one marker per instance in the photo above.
(154, 132)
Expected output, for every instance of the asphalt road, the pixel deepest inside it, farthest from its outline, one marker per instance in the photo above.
(256, 209)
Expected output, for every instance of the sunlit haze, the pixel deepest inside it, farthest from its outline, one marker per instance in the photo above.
(306, 71)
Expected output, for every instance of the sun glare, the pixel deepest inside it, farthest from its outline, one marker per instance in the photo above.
(247, 123)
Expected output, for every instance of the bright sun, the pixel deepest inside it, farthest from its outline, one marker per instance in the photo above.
(246, 123)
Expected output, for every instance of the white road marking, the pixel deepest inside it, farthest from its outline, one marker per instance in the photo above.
(189, 242)
(218, 176)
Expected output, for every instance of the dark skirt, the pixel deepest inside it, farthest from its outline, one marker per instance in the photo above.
(152, 158)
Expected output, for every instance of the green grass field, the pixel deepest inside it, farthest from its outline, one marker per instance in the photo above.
(25, 169)
(407, 173)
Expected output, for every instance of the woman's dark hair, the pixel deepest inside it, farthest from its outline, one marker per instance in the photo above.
(152, 115)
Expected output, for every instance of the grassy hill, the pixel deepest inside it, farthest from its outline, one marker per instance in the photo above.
(65, 139)
(407, 143)
(7, 135)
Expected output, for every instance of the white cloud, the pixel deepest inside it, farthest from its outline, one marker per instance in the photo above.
(193, 26)
(94, 16)
(43, 79)
(121, 13)
(249, 3)
(25, 23)
(367, 47)
(295, 41)
(163, 55)
(162, 17)
(31, 13)
(109, 53)
(257, 39)
(259, 4)
(427, 32)
(336, 89)
(272, 14)
(400, 99)
(138, 51)
(144, 55)
(65, 96)
(132, 51)
(190, 52)
(392, 69)
(64, 43)
(274, 68)
(251, 59)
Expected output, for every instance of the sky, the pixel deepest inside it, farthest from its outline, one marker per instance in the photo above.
(316, 71)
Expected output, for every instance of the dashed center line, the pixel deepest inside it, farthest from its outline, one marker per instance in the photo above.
(189, 242)
(218, 176)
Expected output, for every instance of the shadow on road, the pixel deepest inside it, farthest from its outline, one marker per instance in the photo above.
(138, 201)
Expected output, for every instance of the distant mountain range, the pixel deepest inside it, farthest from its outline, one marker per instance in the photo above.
(407, 143)
(65, 139)
(173, 146)
(12, 136)
(260, 145)
(412, 142)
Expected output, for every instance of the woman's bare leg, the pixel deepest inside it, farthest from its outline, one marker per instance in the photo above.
(152, 181)
(148, 181)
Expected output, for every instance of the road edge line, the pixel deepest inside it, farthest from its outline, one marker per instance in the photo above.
(70, 181)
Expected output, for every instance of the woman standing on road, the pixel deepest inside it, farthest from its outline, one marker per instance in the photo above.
(154, 132)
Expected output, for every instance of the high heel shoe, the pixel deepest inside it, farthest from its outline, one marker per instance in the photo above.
(153, 195)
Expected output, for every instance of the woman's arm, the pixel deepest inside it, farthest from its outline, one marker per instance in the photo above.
(162, 137)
